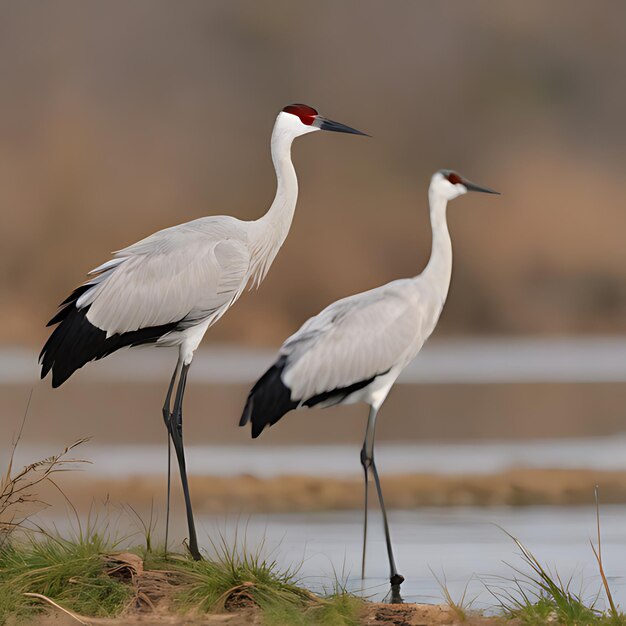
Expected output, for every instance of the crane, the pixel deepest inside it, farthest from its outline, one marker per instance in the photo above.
(355, 349)
(169, 288)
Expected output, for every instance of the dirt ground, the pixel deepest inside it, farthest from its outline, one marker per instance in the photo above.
(374, 614)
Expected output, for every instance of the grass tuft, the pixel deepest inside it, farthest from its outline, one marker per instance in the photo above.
(542, 597)
(235, 578)
(462, 606)
(72, 572)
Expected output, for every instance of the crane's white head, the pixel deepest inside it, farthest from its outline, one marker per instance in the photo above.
(300, 119)
(449, 184)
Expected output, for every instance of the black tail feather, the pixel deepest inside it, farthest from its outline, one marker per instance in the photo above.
(76, 341)
(68, 304)
(269, 400)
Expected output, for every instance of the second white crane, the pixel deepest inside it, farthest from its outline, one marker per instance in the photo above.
(355, 349)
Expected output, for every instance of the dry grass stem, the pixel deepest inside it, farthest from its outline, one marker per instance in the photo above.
(57, 606)
(18, 492)
(598, 554)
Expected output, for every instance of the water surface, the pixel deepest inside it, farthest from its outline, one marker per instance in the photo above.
(465, 545)
(474, 457)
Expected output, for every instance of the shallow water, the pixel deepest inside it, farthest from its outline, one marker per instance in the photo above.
(466, 546)
(475, 457)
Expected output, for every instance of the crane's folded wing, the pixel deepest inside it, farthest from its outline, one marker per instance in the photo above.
(352, 340)
(186, 277)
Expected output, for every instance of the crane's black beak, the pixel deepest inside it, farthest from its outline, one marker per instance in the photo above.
(472, 187)
(324, 124)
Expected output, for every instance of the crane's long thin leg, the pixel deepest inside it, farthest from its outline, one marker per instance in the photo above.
(367, 459)
(177, 439)
(394, 578)
(167, 418)
(365, 506)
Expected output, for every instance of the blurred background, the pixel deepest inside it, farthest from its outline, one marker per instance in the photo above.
(119, 119)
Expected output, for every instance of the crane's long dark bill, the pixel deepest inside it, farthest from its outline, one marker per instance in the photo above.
(337, 127)
(472, 187)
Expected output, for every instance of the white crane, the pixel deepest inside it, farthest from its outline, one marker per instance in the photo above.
(355, 349)
(169, 288)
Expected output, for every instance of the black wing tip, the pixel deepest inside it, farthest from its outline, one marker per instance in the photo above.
(257, 430)
(257, 426)
(44, 370)
(268, 400)
(66, 307)
(69, 321)
(247, 412)
(76, 341)
(57, 382)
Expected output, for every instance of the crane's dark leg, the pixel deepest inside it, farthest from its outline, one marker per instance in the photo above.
(394, 578)
(365, 470)
(367, 459)
(167, 418)
(176, 432)
(366, 456)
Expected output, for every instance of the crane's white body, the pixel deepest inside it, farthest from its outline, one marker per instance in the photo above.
(376, 333)
(194, 272)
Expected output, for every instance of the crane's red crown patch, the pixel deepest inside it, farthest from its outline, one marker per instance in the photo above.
(306, 113)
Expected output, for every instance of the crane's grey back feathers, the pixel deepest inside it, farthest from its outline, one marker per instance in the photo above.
(351, 340)
(187, 272)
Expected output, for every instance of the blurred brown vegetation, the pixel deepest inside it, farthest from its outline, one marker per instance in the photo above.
(118, 119)
(250, 494)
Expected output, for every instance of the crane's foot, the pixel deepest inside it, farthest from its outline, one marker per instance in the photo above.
(394, 595)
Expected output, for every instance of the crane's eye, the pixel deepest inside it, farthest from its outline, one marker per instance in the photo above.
(454, 178)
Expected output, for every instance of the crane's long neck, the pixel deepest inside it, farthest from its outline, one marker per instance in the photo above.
(280, 214)
(439, 269)
(271, 230)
